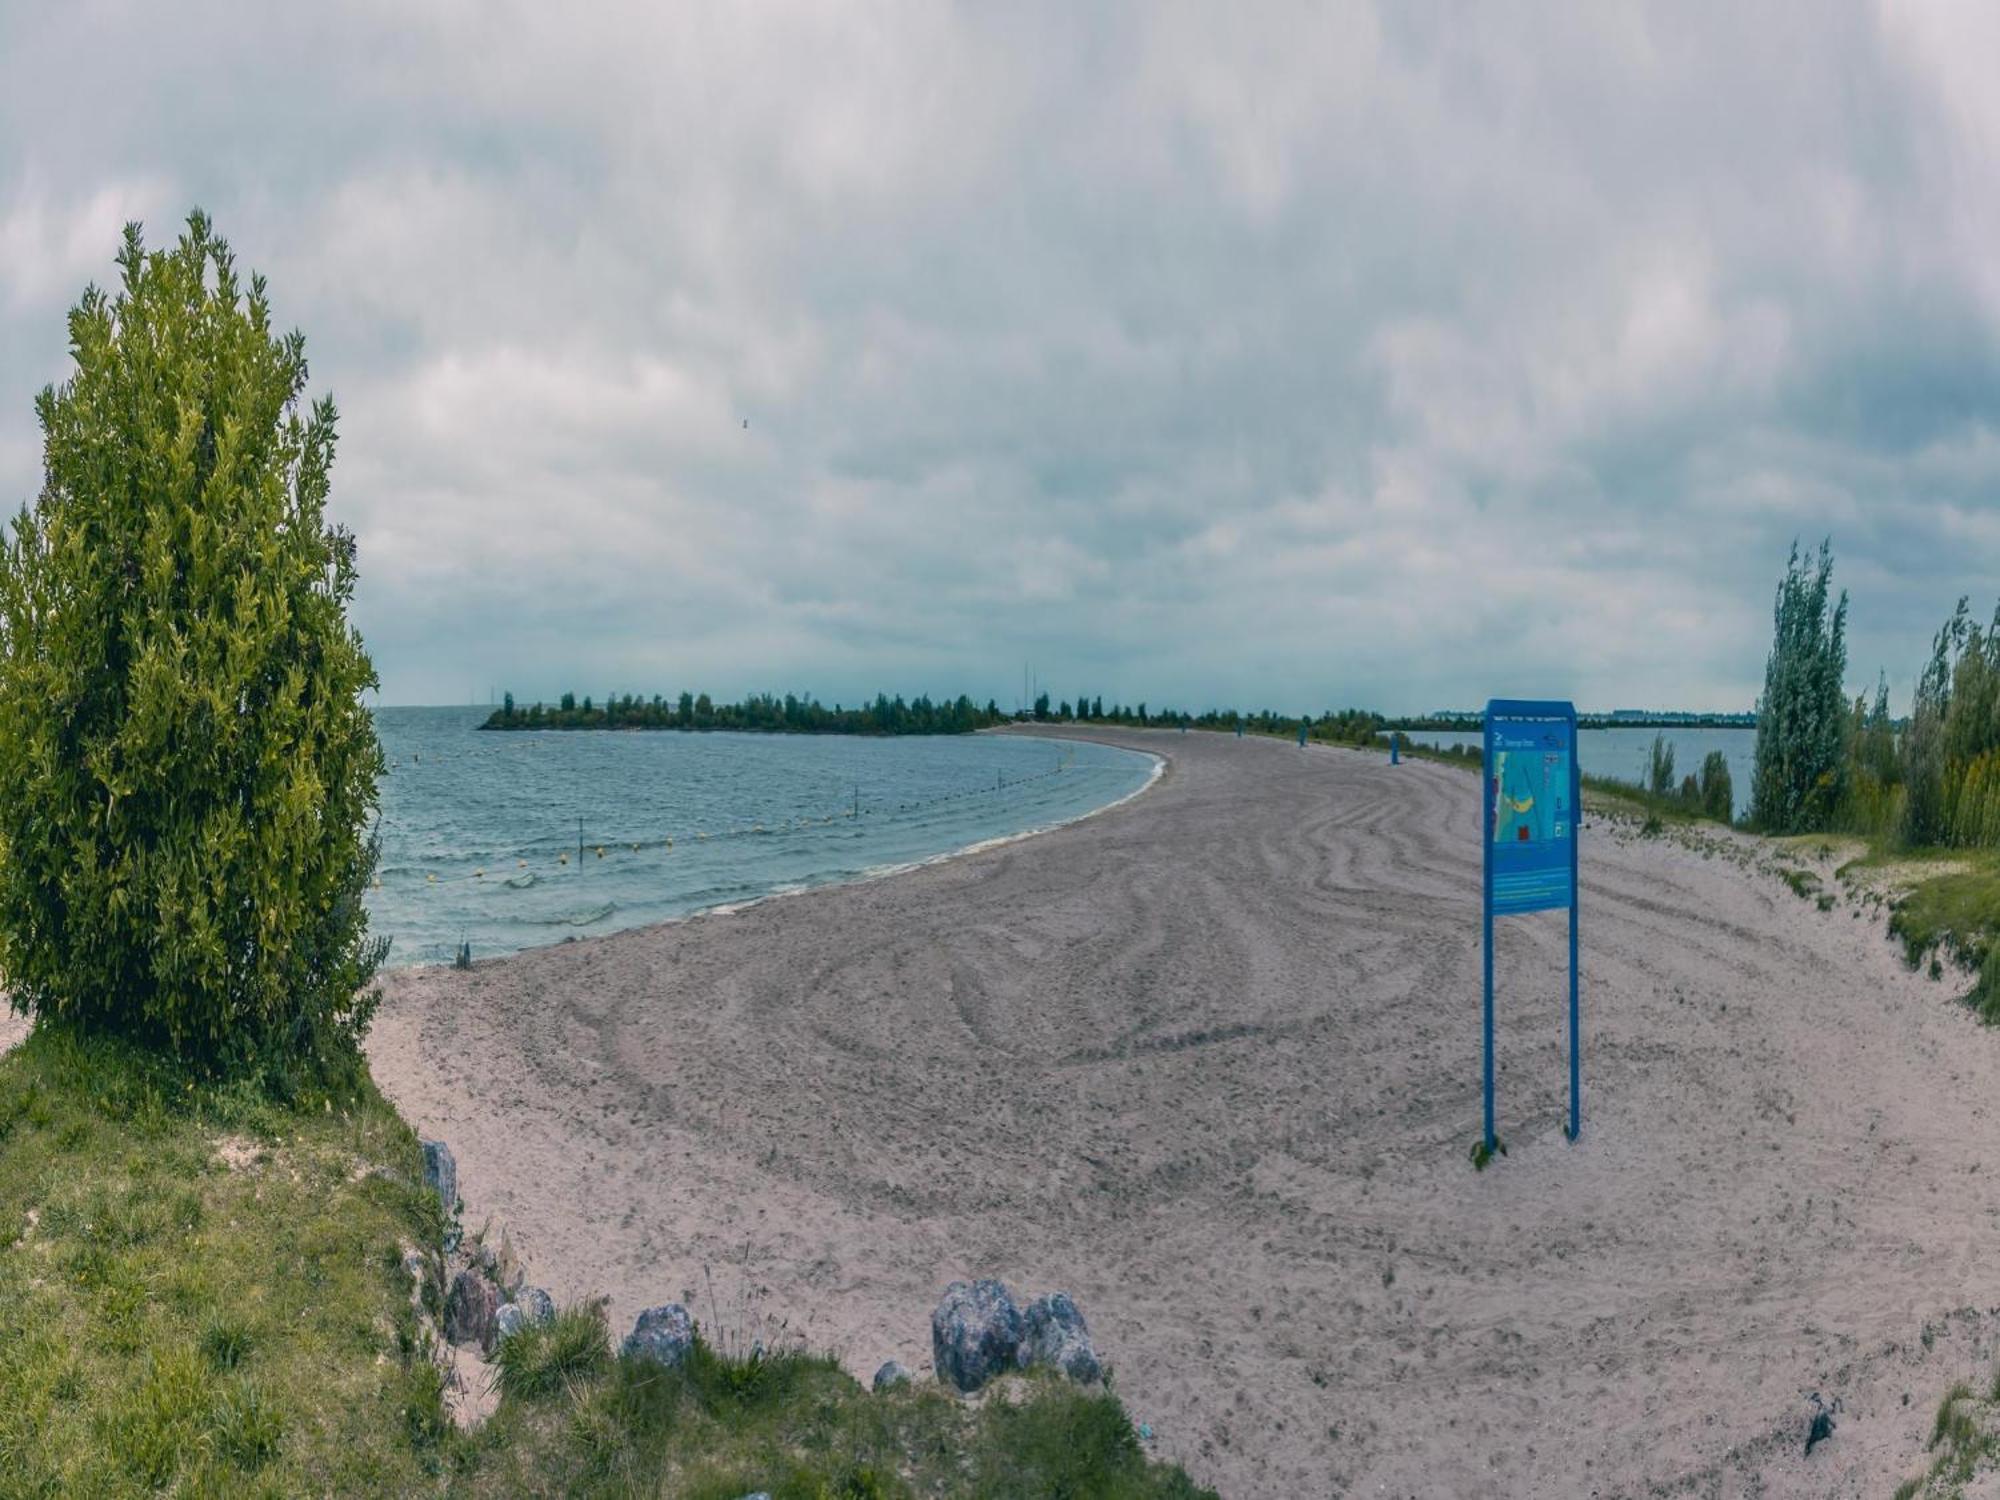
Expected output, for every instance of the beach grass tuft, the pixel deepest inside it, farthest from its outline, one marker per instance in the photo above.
(542, 1359)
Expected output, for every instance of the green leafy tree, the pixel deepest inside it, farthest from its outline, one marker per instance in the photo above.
(1800, 773)
(187, 770)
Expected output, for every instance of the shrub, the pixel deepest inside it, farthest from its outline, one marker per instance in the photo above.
(1717, 793)
(1801, 763)
(1660, 767)
(187, 771)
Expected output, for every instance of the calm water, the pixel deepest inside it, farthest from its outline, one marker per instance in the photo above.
(1624, 754)
(479, 831)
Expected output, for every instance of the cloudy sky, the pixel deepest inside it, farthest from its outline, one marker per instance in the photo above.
(1400, 355)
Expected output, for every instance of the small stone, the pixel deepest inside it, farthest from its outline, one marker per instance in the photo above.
(470, 1308)
(441, 1175)
(1053, 1333)
(975, 1333)
(890, 1376)
(536, 1305)
(663, 1334)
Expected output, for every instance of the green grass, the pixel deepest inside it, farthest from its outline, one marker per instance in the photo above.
(169, 1321)
(794, 1424)
(1957, 914)
(202, 1293)
(1963, 1444)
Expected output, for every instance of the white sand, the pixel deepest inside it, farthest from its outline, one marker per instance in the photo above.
(1211, 1063)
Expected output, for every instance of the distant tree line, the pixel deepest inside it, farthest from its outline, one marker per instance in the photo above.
(761, 713)
(1347, 726)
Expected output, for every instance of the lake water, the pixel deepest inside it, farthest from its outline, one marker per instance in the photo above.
(480, 830)
(1625, 754)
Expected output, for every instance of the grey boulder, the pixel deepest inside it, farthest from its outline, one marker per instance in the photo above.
(441, 1175)
(890, 1376)
(536, 1305)
(663, 1334)
(470, 1309)
(975, 1333)
(1053, 1333)
(507, 1322)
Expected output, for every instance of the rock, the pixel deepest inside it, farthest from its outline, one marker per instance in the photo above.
(495, 1256)
(890, 1376)
(536, 1305)
(663, 1334)
(1053, 1333)
(975, 1333)
(441, 1175)
(470, 1308)
(509, 1321)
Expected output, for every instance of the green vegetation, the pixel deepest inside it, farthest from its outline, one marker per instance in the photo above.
(1800, 774)
(758, 714)
(1347, 726)
(202, 1292)
(187, 771)
(794, 1425)
(1964, 1441)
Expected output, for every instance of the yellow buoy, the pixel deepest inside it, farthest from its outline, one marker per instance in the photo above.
(562, 859)
(478, 874)
(600, 851)
(432, 879)
(522, 863)
(670, 843)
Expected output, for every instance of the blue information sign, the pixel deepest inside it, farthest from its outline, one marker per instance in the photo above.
(1531, 794)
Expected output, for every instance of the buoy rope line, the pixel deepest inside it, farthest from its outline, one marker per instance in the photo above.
(574, 853)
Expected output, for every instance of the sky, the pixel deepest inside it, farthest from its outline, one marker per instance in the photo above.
(1400, 355)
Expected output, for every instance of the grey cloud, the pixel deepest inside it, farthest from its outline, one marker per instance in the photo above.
(1287, 354)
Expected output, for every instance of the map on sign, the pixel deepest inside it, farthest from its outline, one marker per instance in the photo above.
(1530, 812)
(1531, 795)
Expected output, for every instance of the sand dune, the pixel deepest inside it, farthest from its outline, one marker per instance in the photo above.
(1210, 1062)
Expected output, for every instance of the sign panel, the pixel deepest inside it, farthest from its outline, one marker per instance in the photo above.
(1531, 813)
(1531, 790)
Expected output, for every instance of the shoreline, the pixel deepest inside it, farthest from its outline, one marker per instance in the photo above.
(1211, 1067)
(874, 873)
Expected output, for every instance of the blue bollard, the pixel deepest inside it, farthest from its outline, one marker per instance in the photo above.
(1394, 741)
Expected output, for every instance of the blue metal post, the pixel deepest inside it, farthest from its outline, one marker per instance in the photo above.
(1395, 742)
(1575, 899)
(1486, 903)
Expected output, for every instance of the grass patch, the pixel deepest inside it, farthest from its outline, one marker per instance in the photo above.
(171, 1322)
(202, 1293)
(1956, 913)
(1804, 883)
(794, 1424)
(1963, 1443)
(545, 1358)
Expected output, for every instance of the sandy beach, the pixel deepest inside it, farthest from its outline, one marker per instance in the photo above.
(1210, 1062)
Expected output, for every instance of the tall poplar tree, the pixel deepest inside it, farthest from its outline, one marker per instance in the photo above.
(1801, 766)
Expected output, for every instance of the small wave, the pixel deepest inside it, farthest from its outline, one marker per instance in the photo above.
(522, 881)
(587, 917)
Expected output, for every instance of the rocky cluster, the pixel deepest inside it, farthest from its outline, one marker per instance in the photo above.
(978, 1332)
